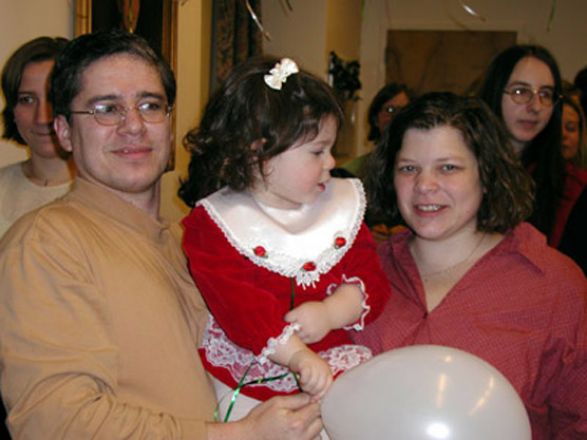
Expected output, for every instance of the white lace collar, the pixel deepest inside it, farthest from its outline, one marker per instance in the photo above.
(301, 243)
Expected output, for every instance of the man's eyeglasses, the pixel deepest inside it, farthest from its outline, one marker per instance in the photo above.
(523, 95)
(112, 114)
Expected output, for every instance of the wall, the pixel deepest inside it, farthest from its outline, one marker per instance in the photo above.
(192, 72)
(566, 37)
(21, 21)
(299, 34)
(56, 17)
(308, 34)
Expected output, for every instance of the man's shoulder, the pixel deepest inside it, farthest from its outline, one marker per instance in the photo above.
(56, 219)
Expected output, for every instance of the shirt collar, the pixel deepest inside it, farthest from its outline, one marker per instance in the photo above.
(114, 207)
(524, 240)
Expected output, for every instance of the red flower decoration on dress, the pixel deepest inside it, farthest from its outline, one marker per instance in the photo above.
(260, 251)
(339, 242)
(310, 266)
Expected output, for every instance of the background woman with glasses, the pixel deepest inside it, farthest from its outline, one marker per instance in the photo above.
(388, 101)
(522, 85)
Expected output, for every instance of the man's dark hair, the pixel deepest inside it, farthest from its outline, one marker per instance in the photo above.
(86, 49)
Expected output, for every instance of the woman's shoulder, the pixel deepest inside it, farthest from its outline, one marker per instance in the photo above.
(546, 262)
(11, 171)
(576, 175)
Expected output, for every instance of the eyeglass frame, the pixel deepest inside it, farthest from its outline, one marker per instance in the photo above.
(535, 92)
(121, 114)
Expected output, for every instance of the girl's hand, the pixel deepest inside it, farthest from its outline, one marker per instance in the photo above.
(314, 372)
(314, 319)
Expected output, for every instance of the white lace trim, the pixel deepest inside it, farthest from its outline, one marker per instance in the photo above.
(360, 324)
(223, 353)
(287, 333)
(339, 212)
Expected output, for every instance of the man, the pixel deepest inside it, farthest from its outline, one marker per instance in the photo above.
(100, 318)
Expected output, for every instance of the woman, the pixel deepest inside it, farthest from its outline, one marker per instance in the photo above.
(522, 86)
(28, 120)
(384, 106)
(574, 141)
(387, 102)
(469, 273)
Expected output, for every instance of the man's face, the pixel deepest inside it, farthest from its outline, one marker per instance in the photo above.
(129, 157)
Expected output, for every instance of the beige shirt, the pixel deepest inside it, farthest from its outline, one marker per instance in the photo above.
(99, 325)
(18, 195)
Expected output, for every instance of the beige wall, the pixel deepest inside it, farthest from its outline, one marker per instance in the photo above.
(299, 34)
(567, 37)
(304, 33)
(56, 17)
(192, 73)
(20, 24)
(307, 34)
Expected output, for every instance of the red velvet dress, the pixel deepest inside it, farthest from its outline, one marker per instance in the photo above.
(246, 259)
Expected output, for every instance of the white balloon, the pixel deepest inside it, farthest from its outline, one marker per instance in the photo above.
(424, 392)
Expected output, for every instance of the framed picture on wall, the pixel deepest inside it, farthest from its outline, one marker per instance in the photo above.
(154, 20)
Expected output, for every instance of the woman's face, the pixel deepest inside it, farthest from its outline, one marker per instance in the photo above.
(32, 113)
(525, 121)
(390, 108)
(570, 142)
(437, 182)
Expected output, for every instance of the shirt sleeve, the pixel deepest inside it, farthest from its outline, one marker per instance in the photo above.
(248, 301)
(568, 399)
(58, 361)
(361, 266)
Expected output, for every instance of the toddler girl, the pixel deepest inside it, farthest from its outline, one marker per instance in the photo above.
(276, 246)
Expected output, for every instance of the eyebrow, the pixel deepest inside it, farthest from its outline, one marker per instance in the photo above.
(114, 97)
(523, 83)
(440, 159)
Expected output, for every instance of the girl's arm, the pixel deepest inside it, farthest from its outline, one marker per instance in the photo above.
(314, 373)
(316, 318)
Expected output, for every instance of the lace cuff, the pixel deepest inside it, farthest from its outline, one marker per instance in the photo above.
(360, 323)
(287, 333)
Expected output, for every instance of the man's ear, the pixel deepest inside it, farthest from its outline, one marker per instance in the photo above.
(63, 132)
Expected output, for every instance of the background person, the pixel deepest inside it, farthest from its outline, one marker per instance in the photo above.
(469, 273)
(28, 120)
(522, 86)
(100, 318)
(389, 100)
(574, 142)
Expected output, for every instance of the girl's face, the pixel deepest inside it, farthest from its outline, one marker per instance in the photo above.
(570, 143)
(525, 121)
(32, 113)
(298, 175)
(437, 182)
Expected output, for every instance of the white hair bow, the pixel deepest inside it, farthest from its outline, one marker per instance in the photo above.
(278, 75)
